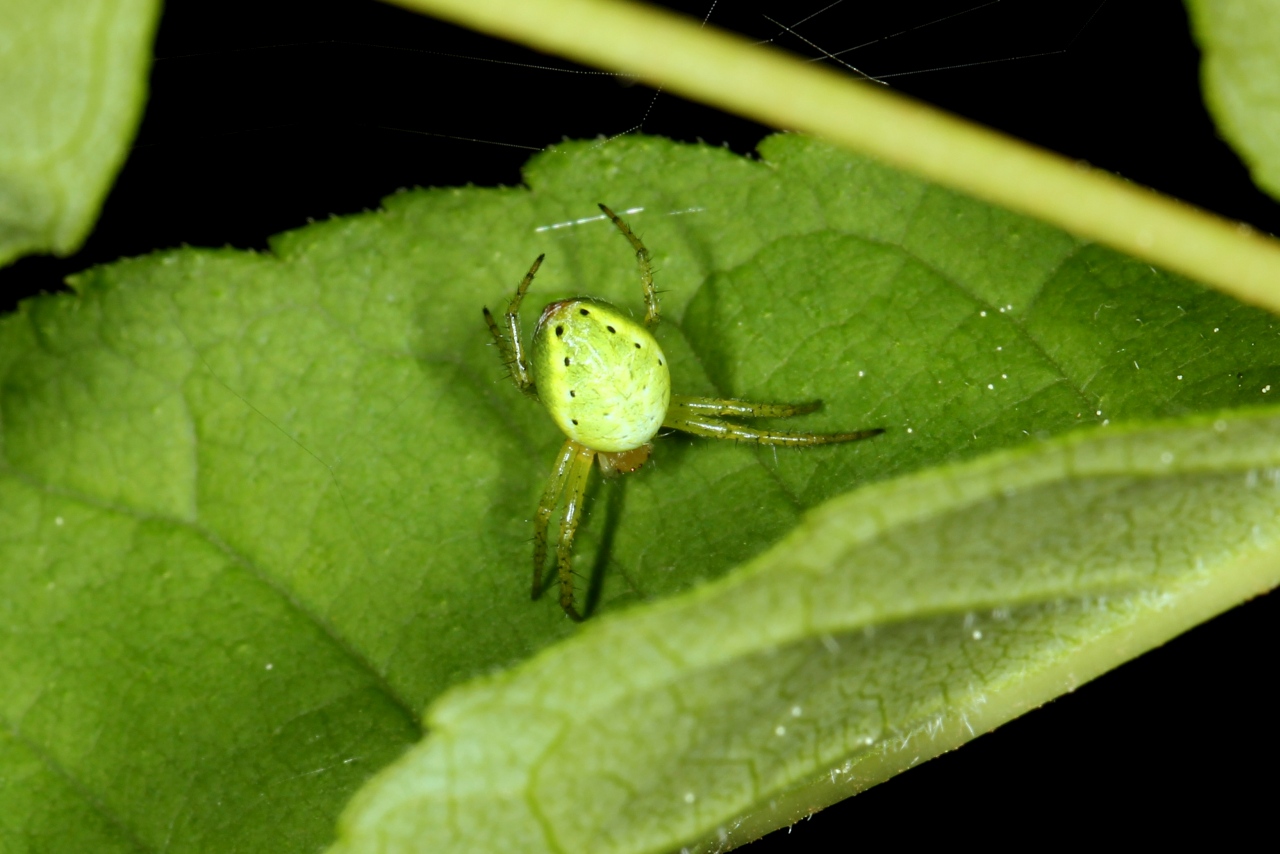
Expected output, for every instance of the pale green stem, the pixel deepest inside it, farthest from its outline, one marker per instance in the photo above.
(726, 71)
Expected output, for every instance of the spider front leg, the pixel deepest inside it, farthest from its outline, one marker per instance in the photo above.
(700, 416)
(547, 506)
(646, 267)
(510, 345)
(572, 468)
(693, 407)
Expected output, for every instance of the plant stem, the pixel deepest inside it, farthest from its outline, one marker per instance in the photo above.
(768, 85)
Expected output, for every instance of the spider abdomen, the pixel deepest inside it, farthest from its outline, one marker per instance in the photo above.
(601, 375)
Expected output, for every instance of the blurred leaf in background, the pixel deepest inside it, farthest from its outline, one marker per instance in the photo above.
(73, 82)
(1240, 73)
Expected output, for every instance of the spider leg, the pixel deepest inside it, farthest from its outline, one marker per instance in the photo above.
(686, 406)
(575, 489)
(715, 428)
(645, 260)
(509, 342)
(547, 505)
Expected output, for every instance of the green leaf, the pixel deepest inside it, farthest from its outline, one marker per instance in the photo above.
(73, 79)
(260, 510)
(1240, 74)
(894, 623)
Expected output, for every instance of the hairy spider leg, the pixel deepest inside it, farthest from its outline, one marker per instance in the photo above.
(643, 258)
(697, 415)
(716, 406)
(575, 490)
(509, 343)
(547, 506)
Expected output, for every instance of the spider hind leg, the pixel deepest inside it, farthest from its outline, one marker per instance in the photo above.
(645, 261)
(510, 345)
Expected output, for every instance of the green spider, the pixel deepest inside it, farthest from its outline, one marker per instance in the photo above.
(606, 383)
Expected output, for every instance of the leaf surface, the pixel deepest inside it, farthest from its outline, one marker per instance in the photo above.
(261, 510)
(894, 623)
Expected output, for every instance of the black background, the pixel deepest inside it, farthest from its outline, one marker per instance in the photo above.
(265, 113)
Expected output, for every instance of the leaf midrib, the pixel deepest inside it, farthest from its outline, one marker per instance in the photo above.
(77, 786)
